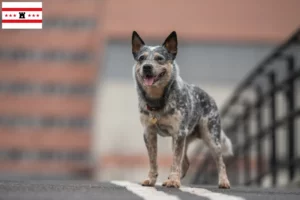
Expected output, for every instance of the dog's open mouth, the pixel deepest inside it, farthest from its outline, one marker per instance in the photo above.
(150, 79)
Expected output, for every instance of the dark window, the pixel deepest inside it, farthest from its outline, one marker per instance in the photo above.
(57, 89)
(17, 154)
(52, 55)
(45, 122)
(69, 23)
(15, 87)
(14, 155)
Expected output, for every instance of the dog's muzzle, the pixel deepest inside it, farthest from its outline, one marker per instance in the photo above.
(147, 70)
(148, 77)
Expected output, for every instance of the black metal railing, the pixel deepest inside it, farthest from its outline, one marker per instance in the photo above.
(262, 120)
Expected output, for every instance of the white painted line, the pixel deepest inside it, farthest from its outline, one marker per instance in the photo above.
(147, 193)
(209, 194)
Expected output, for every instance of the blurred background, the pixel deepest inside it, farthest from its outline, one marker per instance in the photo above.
(68, 106)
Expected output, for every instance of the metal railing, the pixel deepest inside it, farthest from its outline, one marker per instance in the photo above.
(261, 120)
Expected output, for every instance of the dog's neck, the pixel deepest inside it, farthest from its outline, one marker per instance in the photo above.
(154, 92)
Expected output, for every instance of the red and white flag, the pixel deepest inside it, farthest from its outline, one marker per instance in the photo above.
(22, 15)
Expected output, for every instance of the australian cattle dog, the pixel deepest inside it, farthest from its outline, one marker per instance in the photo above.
(171, 107)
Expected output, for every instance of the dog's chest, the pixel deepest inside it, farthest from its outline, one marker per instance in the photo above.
(166, 125)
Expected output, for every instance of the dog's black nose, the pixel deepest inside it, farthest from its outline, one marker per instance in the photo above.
(147, 69)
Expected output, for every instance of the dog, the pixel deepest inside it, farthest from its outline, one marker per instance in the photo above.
(170, 107)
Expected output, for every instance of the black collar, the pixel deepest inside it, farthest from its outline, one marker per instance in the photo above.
(150, 108)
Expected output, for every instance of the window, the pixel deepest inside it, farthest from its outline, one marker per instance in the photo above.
(69, 23)
(50, 88)
(52, 55)
(44, 122)
(18, 154)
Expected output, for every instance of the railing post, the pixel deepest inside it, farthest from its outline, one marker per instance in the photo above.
(246, 145)
(273, 160)
(236, 165)
(258, 136)
(239, 151)
(291, 122)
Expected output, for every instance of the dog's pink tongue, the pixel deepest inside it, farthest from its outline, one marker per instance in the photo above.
(148, 81)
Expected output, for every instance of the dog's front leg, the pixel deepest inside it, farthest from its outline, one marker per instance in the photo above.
(178, 154)
(150, 138)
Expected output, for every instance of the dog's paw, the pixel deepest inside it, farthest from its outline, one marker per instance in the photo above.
(172, 183)
(224, 184)
(149, 183)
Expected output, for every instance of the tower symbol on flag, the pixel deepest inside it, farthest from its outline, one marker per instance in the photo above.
(22, 15)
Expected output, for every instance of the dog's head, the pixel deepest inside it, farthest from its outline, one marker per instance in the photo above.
(154, 64)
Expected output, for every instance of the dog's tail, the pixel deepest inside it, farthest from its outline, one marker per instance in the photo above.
(226, 145)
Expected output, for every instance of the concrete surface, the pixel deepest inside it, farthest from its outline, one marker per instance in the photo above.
(87, 190)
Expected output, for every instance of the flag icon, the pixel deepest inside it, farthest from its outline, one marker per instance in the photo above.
(22, 15)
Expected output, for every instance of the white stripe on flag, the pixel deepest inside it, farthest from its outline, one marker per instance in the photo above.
(147, 193)
(22, 25)
(21, 4)
(209, 194)
(8, 13)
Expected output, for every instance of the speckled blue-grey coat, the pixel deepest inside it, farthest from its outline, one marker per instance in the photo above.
(171, 107)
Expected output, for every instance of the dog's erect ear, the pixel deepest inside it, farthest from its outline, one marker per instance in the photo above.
(171, 44)
(137, 43)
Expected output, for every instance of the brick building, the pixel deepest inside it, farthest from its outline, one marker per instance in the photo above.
(57, 84)
(47, 81)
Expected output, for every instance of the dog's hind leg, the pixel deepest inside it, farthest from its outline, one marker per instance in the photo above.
(211, 135)
(150, 138)
(186, 163)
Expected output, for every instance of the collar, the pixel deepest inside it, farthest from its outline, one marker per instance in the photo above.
(153, 108)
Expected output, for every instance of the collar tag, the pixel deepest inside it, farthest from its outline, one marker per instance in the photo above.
(153, 120)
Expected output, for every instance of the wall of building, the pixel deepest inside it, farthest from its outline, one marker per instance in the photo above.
(214, 20)
(46, 88)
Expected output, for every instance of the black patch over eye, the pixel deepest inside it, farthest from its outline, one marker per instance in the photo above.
(141, 58)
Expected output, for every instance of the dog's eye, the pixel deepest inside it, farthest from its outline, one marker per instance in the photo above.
(141, 58)
(159, 58)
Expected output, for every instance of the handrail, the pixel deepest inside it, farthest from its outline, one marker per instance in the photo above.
(240, 164)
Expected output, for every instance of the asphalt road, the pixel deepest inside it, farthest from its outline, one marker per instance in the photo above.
(65, 190)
